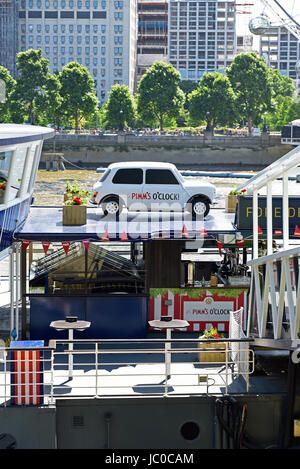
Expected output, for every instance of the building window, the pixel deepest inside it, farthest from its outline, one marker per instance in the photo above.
(103, 4)
(79, 4)
(79, 50)
(87, 51)
(118, 15)
(95, 39)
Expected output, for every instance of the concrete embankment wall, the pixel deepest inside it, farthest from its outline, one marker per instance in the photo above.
(90, 151)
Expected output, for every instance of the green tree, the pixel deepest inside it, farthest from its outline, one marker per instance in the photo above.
(77, 91)
(33, 72)
(159, 94)
(212, 101)
(187, 86)
(281, 85)
(49, 103)
(120, 107)
(250, 80)
(8, 85)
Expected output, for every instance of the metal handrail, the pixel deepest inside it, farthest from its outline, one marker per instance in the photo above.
(98, 380)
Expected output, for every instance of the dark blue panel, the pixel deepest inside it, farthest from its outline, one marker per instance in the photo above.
(112, 317)
(117, 317)
(10, 219)
(44, 310)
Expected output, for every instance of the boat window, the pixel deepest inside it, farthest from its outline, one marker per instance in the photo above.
(27, 177)
(160, 176)
(16, 172)
(128, 176)
(5, 159)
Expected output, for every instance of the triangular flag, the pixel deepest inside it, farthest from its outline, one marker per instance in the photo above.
(220, 245)
(240, 242)
(278, 232)
(260, 231)
(203, 232)
(66, 246)
(46, 245)
(184, 232)
(86, 243)
(297, 231)
(25, 243)
(124, 237)
(105, 236)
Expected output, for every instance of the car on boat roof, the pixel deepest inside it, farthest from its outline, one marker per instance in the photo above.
(144, 186)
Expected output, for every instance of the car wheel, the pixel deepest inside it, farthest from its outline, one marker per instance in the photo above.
(200, 207)
(111, 206)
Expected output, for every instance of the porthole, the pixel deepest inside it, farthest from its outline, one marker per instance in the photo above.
(190, 431)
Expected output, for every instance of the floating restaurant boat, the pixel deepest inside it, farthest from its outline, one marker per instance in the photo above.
(116, 322)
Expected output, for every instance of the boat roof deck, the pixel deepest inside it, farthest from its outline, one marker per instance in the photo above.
(45, 223)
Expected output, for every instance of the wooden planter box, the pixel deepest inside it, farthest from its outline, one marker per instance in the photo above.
(231, 203)
(74, 214)
(207, 356)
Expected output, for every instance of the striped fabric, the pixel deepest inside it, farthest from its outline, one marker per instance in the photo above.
(26, 377)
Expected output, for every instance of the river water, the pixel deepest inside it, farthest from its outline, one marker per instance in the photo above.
(50, 185)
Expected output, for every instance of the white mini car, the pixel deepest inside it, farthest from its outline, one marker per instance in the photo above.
(150, 186)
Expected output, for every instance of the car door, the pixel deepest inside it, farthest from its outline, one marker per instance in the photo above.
(128, 184)
(164, 190)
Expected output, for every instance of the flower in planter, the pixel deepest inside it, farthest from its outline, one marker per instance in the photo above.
(2, 185)
(235, 192)
(76, 201)
(211, 334)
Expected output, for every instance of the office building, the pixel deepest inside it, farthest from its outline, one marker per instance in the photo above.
(202, 36)
(99, 34)
(281, 50)
(8, 34)
(152, 34)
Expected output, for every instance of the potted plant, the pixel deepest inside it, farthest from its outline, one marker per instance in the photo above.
(74, 189)
(74, 211)
(216, 356)
(232, 199)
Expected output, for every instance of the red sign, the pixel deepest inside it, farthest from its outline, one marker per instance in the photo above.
(201, 307)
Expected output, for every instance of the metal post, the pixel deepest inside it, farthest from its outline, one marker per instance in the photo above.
(17, 288)
(96, 368)
(11, 282)
(70, 354)
(285, 210)
(23, 283)
(269, 219)
(255, 224)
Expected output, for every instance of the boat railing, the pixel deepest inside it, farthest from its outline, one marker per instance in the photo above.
(86, 368)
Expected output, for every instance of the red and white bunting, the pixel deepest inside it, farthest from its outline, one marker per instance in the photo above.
(240, 243)
(296, 232)
(184, 232)
(203, 232)
(105, 236)
(124, 237)
(86, 243)
(278, 232)
(66, 246)
(46, 245)
(25, 243)
(220, 245)
(260, 231)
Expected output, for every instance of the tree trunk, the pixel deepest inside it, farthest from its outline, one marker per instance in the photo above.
(76, 122)
(31, 114)
(250, 125)
(161, 123)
